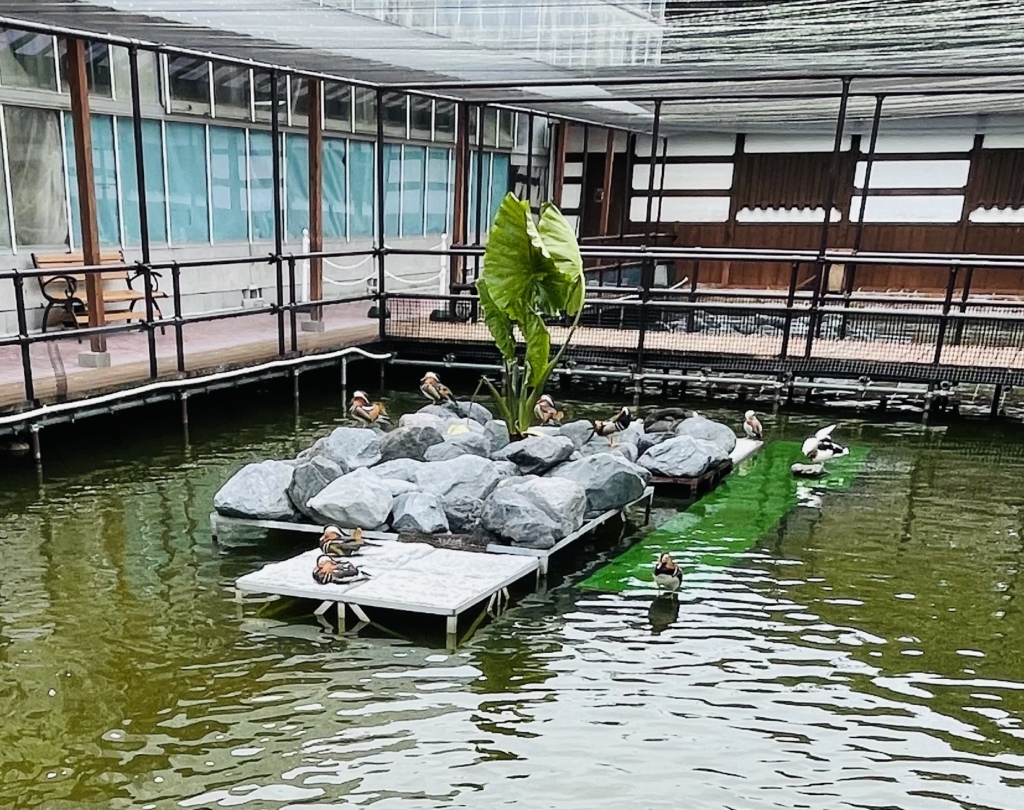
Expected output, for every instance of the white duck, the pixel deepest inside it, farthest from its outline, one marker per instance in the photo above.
(752, 426)
(819, 448)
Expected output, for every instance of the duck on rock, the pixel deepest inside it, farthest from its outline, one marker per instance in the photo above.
(667, 575)
(609, 427)
(433, 389)
(820, 447)
(547, 412)
(367, 413)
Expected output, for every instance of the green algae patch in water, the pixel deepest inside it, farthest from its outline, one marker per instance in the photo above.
(729, 521)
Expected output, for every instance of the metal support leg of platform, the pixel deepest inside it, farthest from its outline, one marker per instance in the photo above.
(452, 632)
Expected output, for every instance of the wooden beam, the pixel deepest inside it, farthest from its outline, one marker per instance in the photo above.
(78, 85)
(560, 145)
(459, 203)
(316, 205)
(606, 192)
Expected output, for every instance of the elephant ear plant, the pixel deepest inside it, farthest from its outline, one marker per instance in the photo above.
(532, 269)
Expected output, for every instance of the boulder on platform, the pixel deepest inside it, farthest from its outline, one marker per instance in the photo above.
(399, 487)
(537, 454)
(463, 513)
(564, 502)
(470, 410)
(474, 444)
(358, 499)
(409, 442)
(308, 479)
(405, 469)
(665, 420)
(440, 411)
(648, 440)
(506, 469)
(609, 481)
(580, 432)
(710, 431)
(421, 419)
(682, 457)
(465, 476)
(496, 432)
(349, 448)
(601, 445)
(418, 512)
(258, 491)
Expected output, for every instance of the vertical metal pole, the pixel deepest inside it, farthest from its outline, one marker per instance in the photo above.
(559, 161)
(456, 272)
(830, 193)
(959, 331)
(26, 357)
(479, 187)
(140, 181)
(529, 158)
(947, 304)
(179, 343)
(291, 304)
(693, 293)
(382, 306)
(583, 181)
(316, 186)
(628, 198)
(606, 183)
(275, 136)
(661, 181)
(648, 266)
(184, 416)
(794, 271)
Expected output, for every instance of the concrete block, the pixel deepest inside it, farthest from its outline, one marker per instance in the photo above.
(94, 359)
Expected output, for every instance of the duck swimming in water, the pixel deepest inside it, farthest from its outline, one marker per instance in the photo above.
(609, 427)
(434, 390)
(667, 575)
(820, 447)
(362, 410)
(547, 413)
(336, 544)
(328, 570)
(752, 426)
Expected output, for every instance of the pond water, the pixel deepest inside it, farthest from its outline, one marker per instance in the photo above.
(867, 651)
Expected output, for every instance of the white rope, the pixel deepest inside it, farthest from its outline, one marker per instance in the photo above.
(371, 277)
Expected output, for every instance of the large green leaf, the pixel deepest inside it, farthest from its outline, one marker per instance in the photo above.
(560, 243)
(538, 346)
(497, 322)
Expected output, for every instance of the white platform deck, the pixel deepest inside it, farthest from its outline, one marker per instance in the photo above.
(744, 449)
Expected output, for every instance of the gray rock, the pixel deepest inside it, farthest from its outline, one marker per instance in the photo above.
(474, 444)
(665, 420)
(628, 451)
(631, 434)
(399, 487)
(506, 469)
(465, 476)
(513, 516)
(426, 420)
(409, 442)
(579, 431)
(609, 481)
(405, 469)
(358, 499)
(471, 410)
(496, 432)
(308, 479)
(439, 411)
(648, 440)
(350, 448)
(564, 501)
(419, 512)
(258, 491)
(682, 457)
(463, 513)
(460, 427)
(808, 470)
(537, 454)
(594, 448)
(700, 428)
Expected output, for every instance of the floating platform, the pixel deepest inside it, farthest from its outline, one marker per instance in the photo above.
(408, 577)
(694, 487)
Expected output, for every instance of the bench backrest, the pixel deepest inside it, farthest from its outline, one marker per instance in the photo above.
(63, 261)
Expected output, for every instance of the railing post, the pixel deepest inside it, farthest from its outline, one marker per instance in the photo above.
(275, 153)
(947, 303)
(529, 158)
(23, 341)
(179, 343)
(958, 333)
(291, 305)
(693, 294)
(382, 304)
(790, 300)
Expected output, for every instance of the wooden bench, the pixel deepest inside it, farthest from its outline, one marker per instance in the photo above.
(66, 291)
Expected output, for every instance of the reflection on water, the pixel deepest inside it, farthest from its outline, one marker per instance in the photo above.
(865, 653)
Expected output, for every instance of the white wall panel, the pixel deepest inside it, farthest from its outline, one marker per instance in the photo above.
(786, 142)
(786, 215)
(915, 173)
(698, 144)
(913, 143)
(570, 195)
(997, 216)
(573, 170)
(907, 208)
(682, 209)
(686, 176)
(1004, 140)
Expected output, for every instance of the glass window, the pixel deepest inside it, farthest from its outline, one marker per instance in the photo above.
(5, 229)
(261, 182)
(490, 126)
(420, 115)
(499, 184)
(97, 67)
(338, 106)
(300, 101)
(227, 184)
(231, 92)
(474, 120)
(366, 110)
(37, 176)
(296, 185)
(486, 185)
(26, 60)
(412, 190)
(360, 183)
(437, 191)
(392, 187)
(506, 128)
(104, 179)
(186, 182)
(444, 121)
(153, 162)
(334, 188)
(149, 83)
(262, 88)
(189, 80)
(395, 114)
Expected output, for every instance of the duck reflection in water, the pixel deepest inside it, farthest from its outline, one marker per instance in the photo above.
(663, 612)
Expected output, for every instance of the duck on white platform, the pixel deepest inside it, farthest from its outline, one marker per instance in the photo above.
(667, 575)
(820, 447)
(752, 426)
